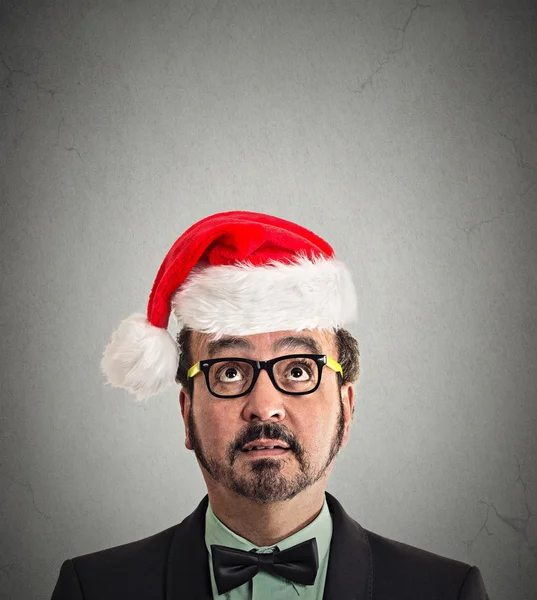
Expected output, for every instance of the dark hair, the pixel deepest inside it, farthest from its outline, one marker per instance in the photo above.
(347, 347)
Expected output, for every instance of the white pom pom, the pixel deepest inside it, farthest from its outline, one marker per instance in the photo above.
(140, 358)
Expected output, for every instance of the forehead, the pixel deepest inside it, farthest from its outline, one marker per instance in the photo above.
(265, 345)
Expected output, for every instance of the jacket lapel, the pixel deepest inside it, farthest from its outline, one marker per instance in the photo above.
(350, 566)
(188, 575)
(350, 570)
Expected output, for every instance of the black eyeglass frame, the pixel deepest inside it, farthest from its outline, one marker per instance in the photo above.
(203, 366)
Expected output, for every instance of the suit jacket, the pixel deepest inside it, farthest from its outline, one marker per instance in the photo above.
(173, 565)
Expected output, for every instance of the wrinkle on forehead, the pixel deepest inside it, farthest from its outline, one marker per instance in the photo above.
(316, 341)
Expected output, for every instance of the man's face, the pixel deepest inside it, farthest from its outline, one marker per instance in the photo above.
(310, 428)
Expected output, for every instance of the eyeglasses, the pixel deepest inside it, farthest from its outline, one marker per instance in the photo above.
(294, 374)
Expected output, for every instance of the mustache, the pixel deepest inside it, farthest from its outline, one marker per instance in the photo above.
(269, 431)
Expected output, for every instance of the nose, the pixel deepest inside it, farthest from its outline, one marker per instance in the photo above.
(264, 402)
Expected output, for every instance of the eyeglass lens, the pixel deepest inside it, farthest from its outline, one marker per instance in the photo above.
(297, 374)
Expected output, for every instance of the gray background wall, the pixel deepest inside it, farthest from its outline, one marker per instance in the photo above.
(403, 133)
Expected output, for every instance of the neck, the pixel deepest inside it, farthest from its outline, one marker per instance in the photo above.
(266, 524)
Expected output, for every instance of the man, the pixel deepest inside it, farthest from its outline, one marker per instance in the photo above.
(266, 369)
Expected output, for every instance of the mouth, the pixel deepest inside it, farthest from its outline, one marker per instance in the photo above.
(261, 448)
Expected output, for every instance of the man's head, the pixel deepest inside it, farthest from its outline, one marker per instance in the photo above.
(307, 430)
(252, 287)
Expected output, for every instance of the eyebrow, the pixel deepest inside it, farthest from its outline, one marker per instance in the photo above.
(216, 346)
(290, 342)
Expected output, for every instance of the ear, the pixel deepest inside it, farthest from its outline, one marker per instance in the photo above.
(347, 398)
(186, 407)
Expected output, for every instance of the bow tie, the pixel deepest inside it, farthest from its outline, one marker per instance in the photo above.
(234, 567)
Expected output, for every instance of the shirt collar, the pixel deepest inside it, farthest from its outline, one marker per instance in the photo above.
(320, 529)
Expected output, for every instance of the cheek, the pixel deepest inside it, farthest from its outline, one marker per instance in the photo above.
(214, 426)
(315, 428)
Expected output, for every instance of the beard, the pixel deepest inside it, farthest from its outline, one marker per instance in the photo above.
(265, 482)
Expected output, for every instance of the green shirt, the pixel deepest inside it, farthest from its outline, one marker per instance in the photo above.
(265, 586)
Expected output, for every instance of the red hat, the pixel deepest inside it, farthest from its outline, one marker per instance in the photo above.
(232, 273)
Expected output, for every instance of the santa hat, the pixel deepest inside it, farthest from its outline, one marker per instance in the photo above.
(232, 273)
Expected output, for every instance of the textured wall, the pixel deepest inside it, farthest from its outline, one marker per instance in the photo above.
(403, 133)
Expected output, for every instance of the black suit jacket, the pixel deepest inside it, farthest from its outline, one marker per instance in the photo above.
(173, 565)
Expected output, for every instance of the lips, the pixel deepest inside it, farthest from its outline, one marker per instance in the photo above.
(265, 445)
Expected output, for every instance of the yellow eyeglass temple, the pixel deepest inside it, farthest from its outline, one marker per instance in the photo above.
(335, 366)
(194, 370)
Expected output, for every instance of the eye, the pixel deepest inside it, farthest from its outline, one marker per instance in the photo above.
(229, 373)
(299, 372)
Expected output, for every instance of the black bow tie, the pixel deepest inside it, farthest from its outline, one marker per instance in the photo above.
(234, 567)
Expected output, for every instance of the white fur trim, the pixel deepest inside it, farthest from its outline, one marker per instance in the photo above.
(140, 358)
(245, 299)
